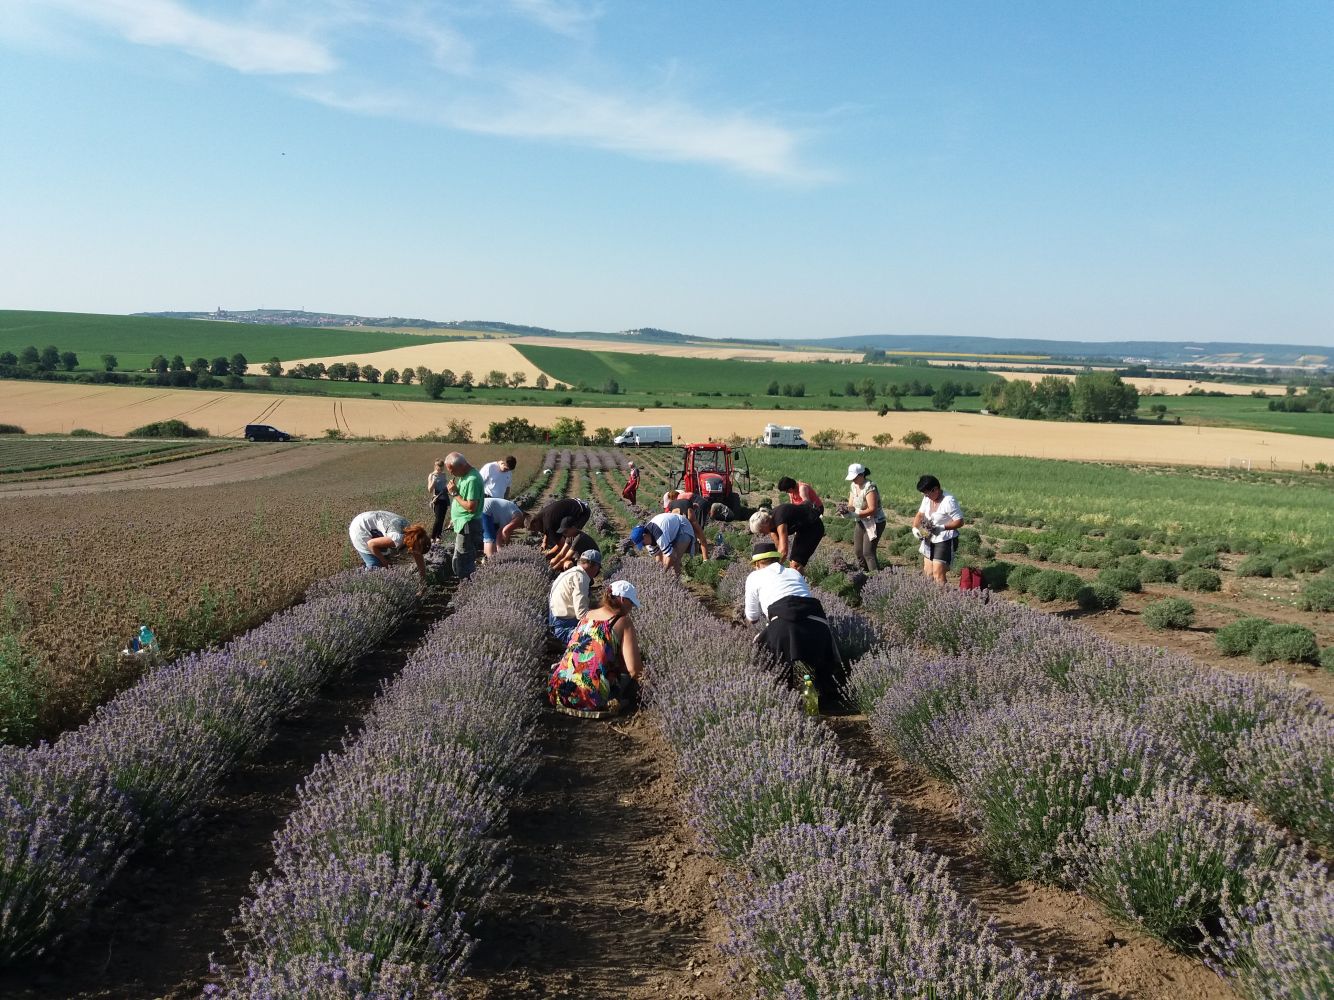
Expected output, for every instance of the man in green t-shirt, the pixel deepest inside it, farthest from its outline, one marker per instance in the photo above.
(465, 513)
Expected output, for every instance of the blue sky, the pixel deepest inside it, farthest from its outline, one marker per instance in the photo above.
(1064, 170)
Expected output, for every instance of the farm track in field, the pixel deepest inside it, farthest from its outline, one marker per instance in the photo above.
(1109, 960)
(168, 914)
(255, 461)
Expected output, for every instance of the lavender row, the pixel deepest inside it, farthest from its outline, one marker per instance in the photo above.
(1098, 767)
(395, 848)
(140, 769)
(1259, 738)
(823, 900)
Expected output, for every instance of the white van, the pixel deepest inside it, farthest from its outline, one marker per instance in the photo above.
(777, 436)
(642, 436)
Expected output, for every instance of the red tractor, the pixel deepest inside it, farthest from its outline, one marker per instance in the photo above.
(716, 473)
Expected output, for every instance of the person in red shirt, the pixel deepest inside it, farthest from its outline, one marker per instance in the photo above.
(799, 492)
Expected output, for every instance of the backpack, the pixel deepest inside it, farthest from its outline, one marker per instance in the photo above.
(970, 579)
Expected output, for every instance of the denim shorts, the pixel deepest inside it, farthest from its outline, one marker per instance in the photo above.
(489, 532)
(370, 560)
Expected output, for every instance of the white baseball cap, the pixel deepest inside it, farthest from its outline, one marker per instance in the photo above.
(854, 470)
(626, 590)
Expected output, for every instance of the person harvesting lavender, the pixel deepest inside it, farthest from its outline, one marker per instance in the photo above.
(668, 538)
(500, 519)
(795, 528)
(799, 492)
(599, 672)
(864, 501)
(937, 524)
(465, 514)
(631, 489)
(793, 623)
(568, 600)
(560, 523)
(378, 534)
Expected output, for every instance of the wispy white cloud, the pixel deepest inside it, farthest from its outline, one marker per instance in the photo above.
(169, 24)
(426, 68)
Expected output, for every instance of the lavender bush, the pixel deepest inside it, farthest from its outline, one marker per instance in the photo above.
(347, 975)
(1167, 860)
(1287, 769)
(1030, 773)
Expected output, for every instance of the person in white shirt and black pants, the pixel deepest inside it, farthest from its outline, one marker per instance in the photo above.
(794, 627)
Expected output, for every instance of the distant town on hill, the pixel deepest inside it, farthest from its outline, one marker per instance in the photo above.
(1202, 354)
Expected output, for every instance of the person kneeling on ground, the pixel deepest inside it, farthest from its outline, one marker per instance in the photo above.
(378, 534)
(559, 523)
(568, 599)
(501, 518)
(793, 623)
(598, 674)
(667, 537)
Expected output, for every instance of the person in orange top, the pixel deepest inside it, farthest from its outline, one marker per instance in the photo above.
(799, 492)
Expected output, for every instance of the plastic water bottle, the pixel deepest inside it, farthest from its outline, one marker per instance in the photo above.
(810, 698)
(147, 640)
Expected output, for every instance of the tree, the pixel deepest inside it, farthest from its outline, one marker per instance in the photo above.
(827, 438)
(1052, 396)
(774, 388)
(159, 364)
(515, 430)
(316, 369)
(50, 358)
(109, 362)
(567, 430)
(30, 355)
(449, 377)
(199, 366)
(177, 363)
(422, 372)
(849, 388)
(883, 440)
(390, 376)
(8, 358)
(465, 380)
(353, 372)
(517, 379)
(611, 387)
(407, 376)
(239, 364)
(370, 373)
(459, 430)
(496, 379)
(1017, 400)
(219, 367)
(603, 435)
(69, 360)
(542, 381)
(337, 371)
(944, 396)
(1159, 410)
(916, 440)
(434, 386)
(1099, 396)
(273, 367)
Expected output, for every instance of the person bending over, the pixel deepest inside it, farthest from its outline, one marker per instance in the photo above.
(559, 523)
(795, 528)
(667, 537)
(378, 534)
(501, 518)
(568, 601)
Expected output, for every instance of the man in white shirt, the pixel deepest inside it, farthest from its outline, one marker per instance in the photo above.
(496, 476)
(668, 538)
(568, 601)
(794, 627)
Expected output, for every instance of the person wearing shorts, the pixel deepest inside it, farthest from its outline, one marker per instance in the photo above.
(796, 528)
(937, 523)
(500, 519)
(668, 537)
(376, 535)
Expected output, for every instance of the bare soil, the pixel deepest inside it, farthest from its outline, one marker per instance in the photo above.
(255, 461)
(1109, 960)
(166, 915)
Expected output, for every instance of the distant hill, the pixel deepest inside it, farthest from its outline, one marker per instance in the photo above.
(1117, 352)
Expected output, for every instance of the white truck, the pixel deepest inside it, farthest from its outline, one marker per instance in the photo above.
(644, 436)
(778, 436)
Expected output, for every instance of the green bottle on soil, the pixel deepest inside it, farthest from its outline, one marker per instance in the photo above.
(810, 698)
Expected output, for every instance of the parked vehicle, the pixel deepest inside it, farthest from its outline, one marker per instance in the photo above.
(714, 471)
(263, 432)
(644, 436)
(780, 436)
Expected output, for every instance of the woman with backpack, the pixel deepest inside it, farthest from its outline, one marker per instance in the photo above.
(599, 672)
(864, 501)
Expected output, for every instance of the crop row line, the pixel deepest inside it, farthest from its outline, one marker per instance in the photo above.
(138, 772)
(396, 845)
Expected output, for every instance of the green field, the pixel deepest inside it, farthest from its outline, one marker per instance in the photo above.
(1073, 496)
(135, 340)
(70, 456)
(1239, 411)
(666, 376)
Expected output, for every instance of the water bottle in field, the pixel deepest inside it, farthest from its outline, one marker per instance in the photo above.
(810, 698)
(147, 640)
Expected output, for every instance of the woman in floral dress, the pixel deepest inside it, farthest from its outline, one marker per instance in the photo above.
(599, 671)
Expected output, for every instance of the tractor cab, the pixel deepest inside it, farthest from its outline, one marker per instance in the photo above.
(715, 472)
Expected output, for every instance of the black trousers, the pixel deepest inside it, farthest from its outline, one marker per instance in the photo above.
(441, 507)
(797, 632)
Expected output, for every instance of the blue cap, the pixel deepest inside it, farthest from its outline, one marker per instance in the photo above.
(637, 536)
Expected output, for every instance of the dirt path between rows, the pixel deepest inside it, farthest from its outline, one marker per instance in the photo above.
(255, 461)
(610, 898)
(165, 916)
(1109, 960)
